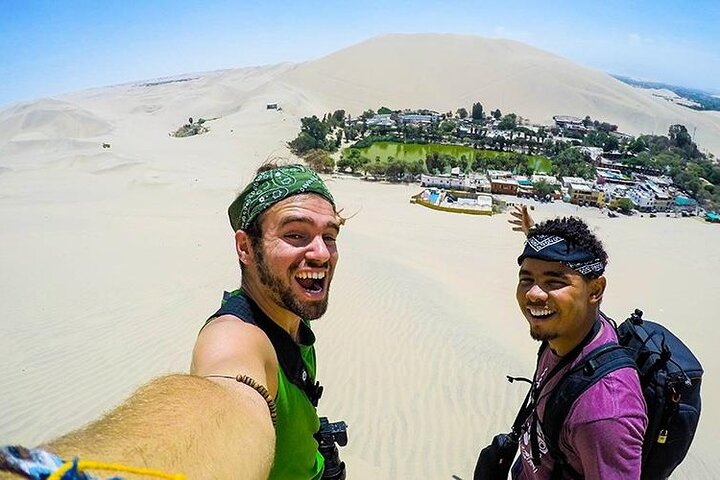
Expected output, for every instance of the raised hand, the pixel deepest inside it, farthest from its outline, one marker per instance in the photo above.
(522, 221)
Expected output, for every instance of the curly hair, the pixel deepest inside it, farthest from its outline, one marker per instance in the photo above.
(574, 231)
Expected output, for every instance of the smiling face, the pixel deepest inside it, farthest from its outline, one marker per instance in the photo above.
(559, 303)
(294, 261)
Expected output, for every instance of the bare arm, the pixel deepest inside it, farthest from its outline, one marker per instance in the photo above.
(180, 424)
(202, 428)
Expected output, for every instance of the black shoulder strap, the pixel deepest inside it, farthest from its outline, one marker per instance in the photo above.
(528, 408)
(239, 305)
(598, 363)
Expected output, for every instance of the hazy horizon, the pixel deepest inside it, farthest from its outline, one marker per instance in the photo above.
(49, 48)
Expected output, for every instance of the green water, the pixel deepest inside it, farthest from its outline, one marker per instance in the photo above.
(410, 152)
(540, 164)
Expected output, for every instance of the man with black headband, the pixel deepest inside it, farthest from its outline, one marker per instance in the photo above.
(560, 287)
(247, 410)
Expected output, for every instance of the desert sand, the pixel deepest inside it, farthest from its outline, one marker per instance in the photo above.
(112, 258)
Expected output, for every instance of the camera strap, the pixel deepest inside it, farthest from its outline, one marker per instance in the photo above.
(532, 399)
(239, 305)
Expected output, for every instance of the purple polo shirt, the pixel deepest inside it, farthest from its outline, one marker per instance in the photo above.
(603, 434)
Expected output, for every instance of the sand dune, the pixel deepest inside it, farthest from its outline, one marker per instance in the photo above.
(112, 258)
(49, 119)
(445, 72)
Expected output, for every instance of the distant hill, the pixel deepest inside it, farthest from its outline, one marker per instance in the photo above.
(442, 72)
(445, 72)
(701, 99)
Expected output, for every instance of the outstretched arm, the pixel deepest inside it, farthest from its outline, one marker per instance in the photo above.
(186, 424)
(522, 221)
(180, 424)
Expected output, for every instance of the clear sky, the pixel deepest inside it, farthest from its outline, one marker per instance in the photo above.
(59, 46)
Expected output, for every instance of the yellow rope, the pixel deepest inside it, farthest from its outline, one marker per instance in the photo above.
(116, 467)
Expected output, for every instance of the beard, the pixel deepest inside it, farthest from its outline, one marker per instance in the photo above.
(282, 291)
(542, 336)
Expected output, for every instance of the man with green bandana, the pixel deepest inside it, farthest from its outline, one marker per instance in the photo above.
(285, 225)
(247, 410)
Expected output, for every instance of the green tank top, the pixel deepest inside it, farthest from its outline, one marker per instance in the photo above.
(296, 450)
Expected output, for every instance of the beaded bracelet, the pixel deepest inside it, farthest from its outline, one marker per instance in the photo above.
(250, 382)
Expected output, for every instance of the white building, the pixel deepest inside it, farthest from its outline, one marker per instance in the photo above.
(592, 152)
(416, 118)
(497, 174)
(549, 179)
(567, 181)
(382, 120)
(443, 181)
(642, 199)
(650, 196)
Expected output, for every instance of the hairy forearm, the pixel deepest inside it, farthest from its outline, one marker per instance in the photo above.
(180, 424)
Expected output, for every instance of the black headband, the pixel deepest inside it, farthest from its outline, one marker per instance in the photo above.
(552, 248)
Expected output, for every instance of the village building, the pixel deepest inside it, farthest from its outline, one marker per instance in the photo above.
(685, 204)
(583, 194)
(616, 164)
(622, 137)
(381, 120)
(453, 182)
(525, 185)
(663, 200)
(568, 122)
(419, 119)
(497, 174)
(593, 153)
(567, 181)
(612, 193)
(504, 186)
(481, 183)
(662, 181)
(612, 175)
(549, 179)
(643, 200)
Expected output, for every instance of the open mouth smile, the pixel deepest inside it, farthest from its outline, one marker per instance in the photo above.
(311, 282)
(540, 313)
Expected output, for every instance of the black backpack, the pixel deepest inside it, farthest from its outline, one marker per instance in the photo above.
(670, 377)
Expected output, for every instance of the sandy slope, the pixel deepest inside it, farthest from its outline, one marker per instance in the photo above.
(445, 72)
(112, 258)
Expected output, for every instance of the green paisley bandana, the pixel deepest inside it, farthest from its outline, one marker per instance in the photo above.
(272, 186)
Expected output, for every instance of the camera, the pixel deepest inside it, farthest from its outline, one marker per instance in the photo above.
(329, 436)
(496, 459)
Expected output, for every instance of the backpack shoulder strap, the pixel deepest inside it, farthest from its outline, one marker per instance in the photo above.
(598, 363)
(239, 305)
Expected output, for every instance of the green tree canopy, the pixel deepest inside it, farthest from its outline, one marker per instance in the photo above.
(320, 161)
(447, 126)
(571, 163)
(313, 133)
(508, 122)
(625, 205)
(435, 163)
(543, 188)
(477, 111)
